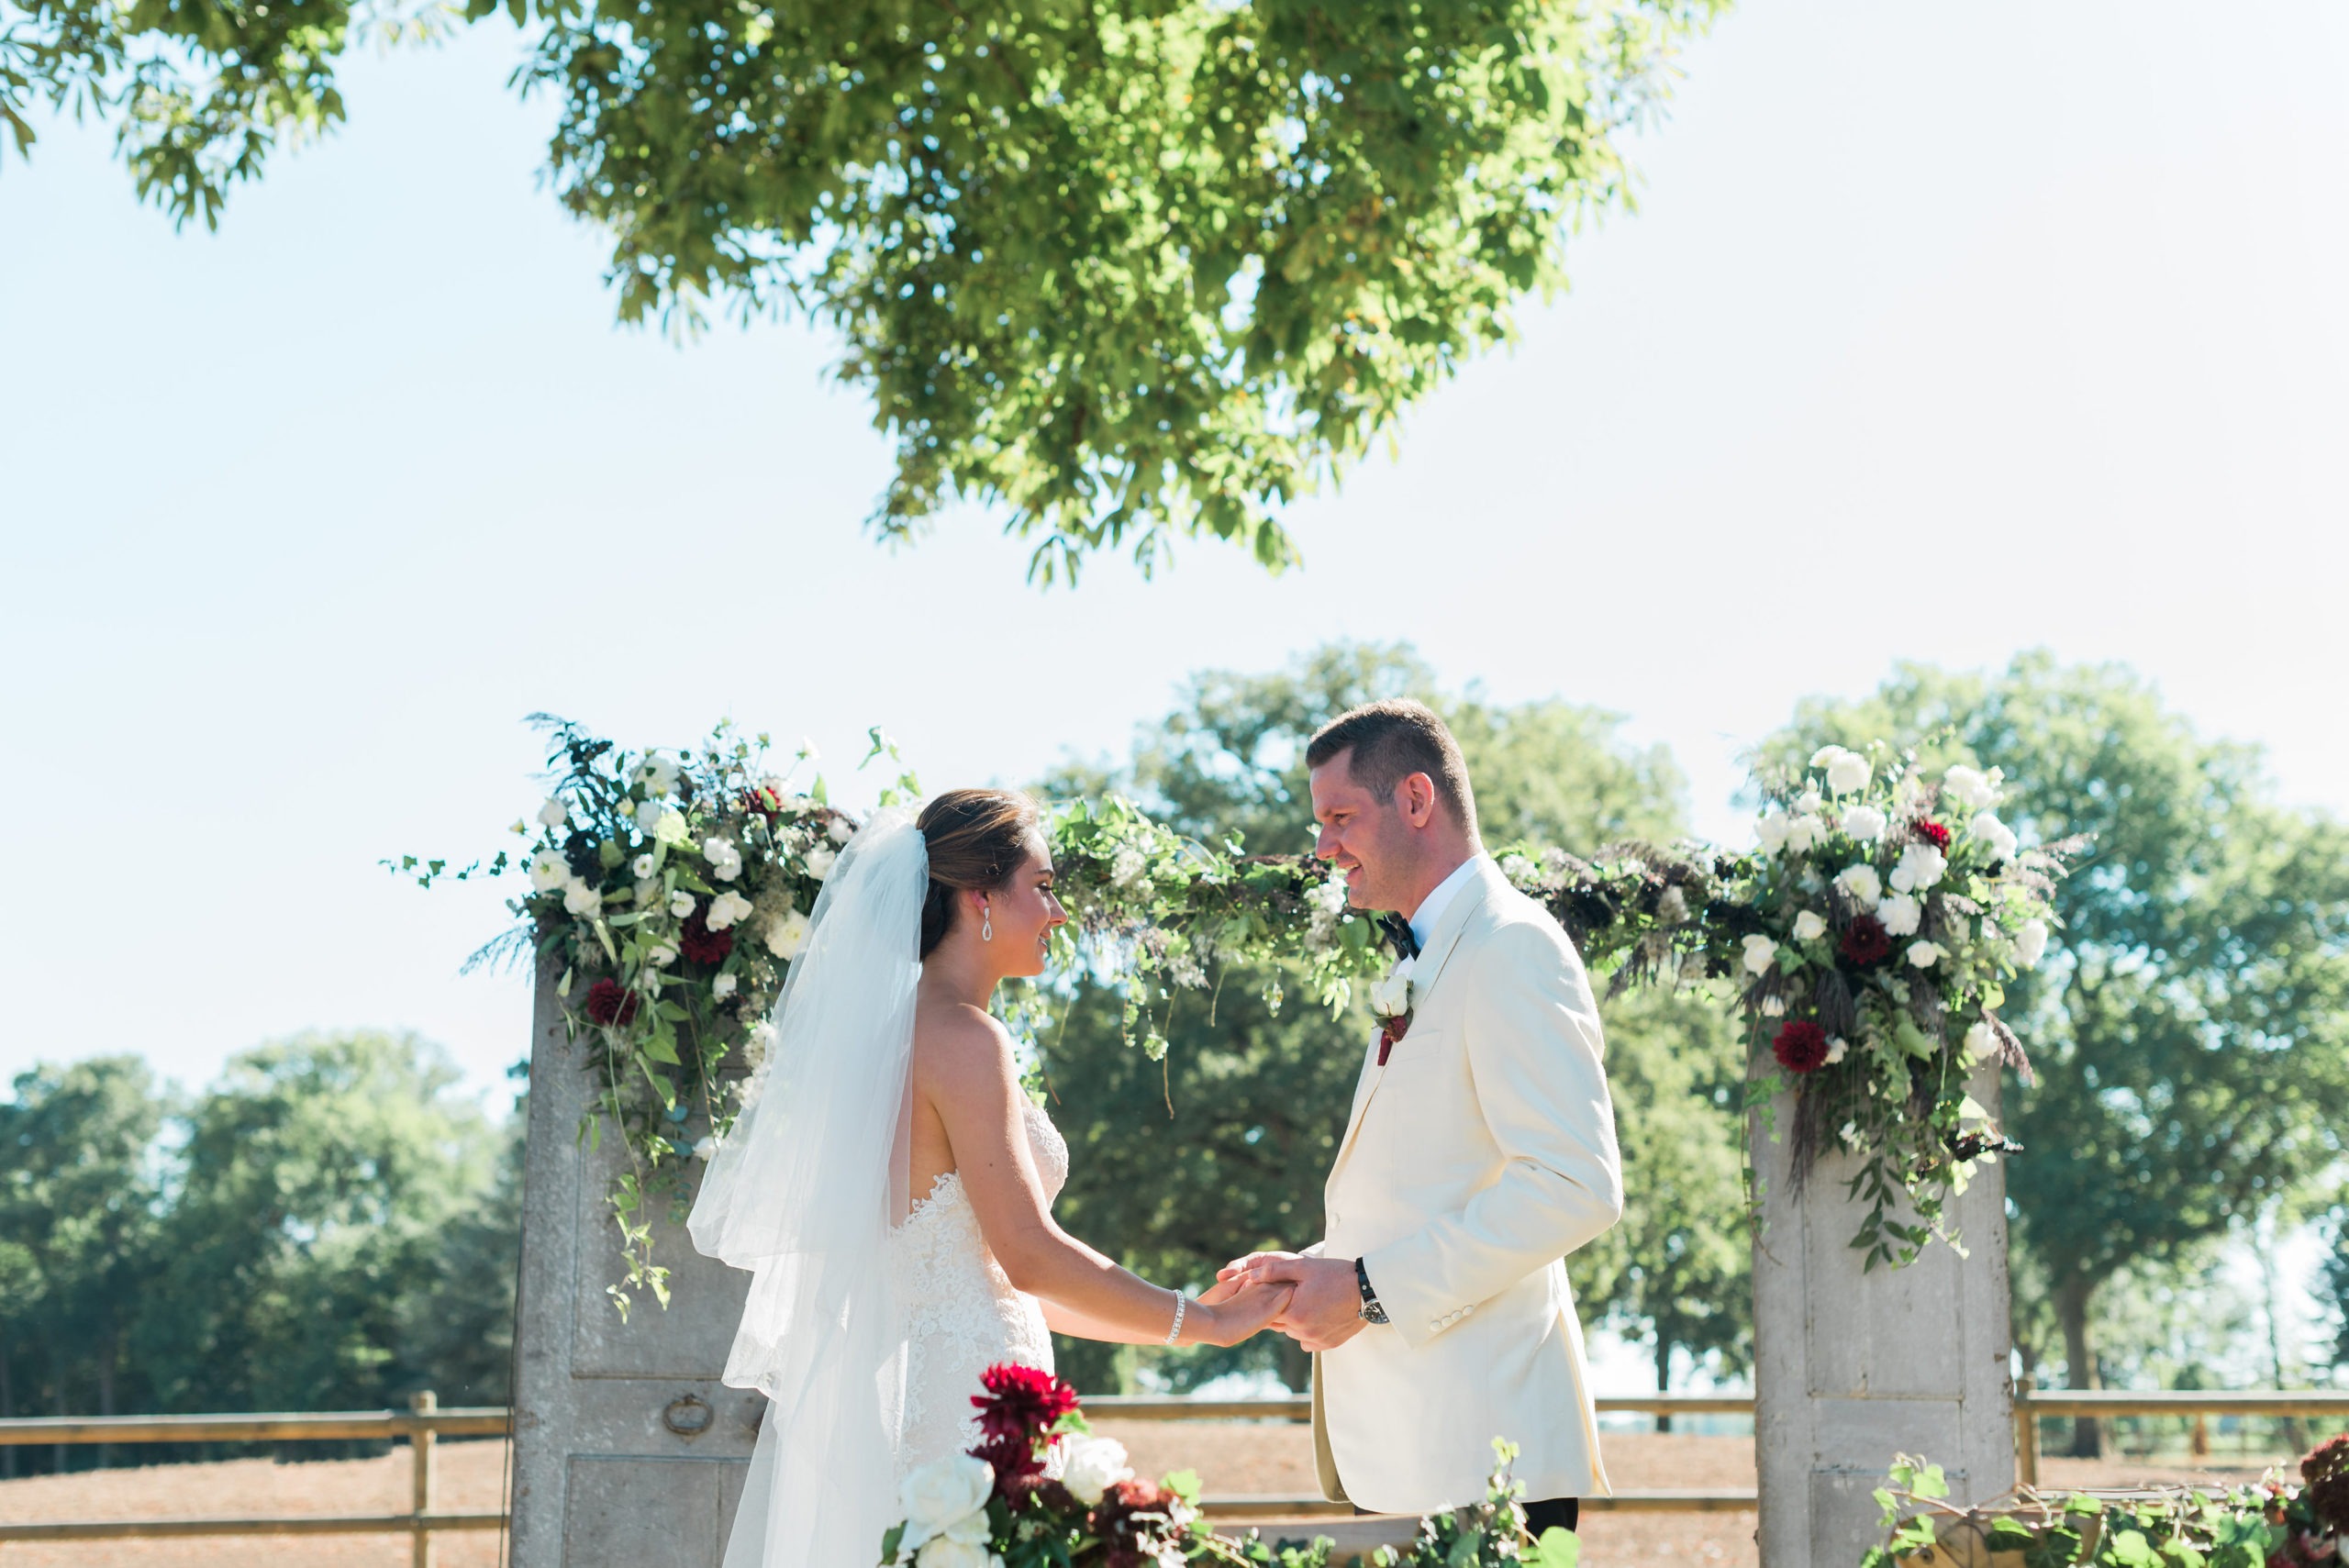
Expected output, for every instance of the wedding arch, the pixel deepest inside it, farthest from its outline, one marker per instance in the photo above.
(1866, 940)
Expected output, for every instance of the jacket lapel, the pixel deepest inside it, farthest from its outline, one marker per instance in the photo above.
(1440, 944)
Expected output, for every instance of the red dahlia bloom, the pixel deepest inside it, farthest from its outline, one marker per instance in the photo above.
(608, 1004)
(1932, 832)
(1866, 940)
(699, 943)
(1014, 1462)
(1801, 1045)
(2326, 1470)
(1020, 1401)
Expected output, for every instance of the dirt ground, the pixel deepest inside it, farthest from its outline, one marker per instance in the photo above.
(1229, 1457)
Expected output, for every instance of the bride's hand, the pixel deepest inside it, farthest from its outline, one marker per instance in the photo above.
(1233, 1316)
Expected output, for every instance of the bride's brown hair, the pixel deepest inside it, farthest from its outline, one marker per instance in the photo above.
(977, 839)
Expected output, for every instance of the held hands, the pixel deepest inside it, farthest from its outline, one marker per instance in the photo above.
(1231, 1310)
(1325, 1310)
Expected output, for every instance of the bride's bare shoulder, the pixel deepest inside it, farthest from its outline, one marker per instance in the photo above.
(957, 1040)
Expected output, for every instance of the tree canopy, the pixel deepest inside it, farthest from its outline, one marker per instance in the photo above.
(1126, 273)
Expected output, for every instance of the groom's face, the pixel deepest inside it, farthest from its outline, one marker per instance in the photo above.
(1364, 835)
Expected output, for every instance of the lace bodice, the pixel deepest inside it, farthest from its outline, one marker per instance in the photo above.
(962, 1314)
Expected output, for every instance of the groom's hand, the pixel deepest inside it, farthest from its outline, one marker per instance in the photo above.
(1325, 1312)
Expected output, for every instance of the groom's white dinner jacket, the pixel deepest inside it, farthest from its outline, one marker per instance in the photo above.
(1474, 1161)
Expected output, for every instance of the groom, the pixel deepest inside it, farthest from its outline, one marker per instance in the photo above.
(1481, 1151)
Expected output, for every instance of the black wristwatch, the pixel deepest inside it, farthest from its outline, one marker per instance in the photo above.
(1370, 1311)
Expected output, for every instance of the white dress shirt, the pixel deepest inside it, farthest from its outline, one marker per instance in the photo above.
(1432, 907)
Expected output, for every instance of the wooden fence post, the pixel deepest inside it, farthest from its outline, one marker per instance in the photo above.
(2026, 1434)
(419, 1444)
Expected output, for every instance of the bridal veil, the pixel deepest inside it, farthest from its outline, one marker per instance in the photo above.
(803, 1194)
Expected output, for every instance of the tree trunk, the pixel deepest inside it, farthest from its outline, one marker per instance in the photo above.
(1662, 1377)
(108, 1349)
(8, 1409)
(57, 1370)
(2072, 1299)
(1295, 1366)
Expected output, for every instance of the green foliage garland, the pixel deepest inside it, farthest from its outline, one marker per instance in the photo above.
(671, 892)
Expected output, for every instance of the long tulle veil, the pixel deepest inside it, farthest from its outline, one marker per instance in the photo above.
(803, 1194)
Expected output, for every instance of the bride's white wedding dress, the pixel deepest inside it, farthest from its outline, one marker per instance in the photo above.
(962, 1314)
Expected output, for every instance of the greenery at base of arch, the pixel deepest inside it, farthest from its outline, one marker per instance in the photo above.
(1865, 939)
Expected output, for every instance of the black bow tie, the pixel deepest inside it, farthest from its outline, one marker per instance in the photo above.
(1398, 931)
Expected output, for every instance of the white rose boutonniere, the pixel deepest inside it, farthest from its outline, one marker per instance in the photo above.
(1390, 996)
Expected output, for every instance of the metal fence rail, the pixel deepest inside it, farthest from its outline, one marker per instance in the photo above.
(425, 1422)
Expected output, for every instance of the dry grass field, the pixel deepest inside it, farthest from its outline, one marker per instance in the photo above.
(1229, 1457)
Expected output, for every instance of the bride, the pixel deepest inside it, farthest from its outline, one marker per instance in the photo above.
(890, 1187)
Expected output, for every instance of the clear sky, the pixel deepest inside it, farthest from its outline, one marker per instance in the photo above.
(1942, 331)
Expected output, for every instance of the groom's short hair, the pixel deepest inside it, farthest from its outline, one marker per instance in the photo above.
(1390, 741)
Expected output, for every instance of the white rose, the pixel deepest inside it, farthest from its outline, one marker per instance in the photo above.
(1971, 788)
(549, 870)
(784, 936)
(1761, 954)
(1847, 771)
(941, 1494)
(643, 867)
(1126, 868)
(1771, 829)
(819, 862)
(725, 910)
(725, 860)
(555, 813)
(722, 986)
(1861, 882)
(581, 899)
(1804, 830)
(1090, 1466)
(706, 1147)
(1924, 955)
(2031, 942)
(945, 1552)
(1864, 823)
(1900, 914)
(1921, 866)
(657, 773)
(663, 824)
(842, 829)
(1390, 996)
(681, 904)
(1836, 1047)
(1330, 897)
(1995, 836)
(660, 955)
(1809, 926)
(1981, 1041)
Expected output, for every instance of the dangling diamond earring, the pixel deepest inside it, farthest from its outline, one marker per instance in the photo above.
(986, 924)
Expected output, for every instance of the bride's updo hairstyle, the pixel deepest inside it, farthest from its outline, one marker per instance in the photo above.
(979, 838)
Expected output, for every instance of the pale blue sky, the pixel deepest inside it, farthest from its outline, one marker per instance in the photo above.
(1943, 330)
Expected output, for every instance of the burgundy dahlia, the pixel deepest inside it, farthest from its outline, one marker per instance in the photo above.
(1013, 1459)
(699, 943)
(1932, 832)
(1866, 941)
(1801, 1045)
(1020, 1401)
(2326, 1473)
(1115, 1524)
(608, 1004)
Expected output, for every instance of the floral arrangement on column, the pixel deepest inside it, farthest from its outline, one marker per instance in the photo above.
(1040, 1491)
